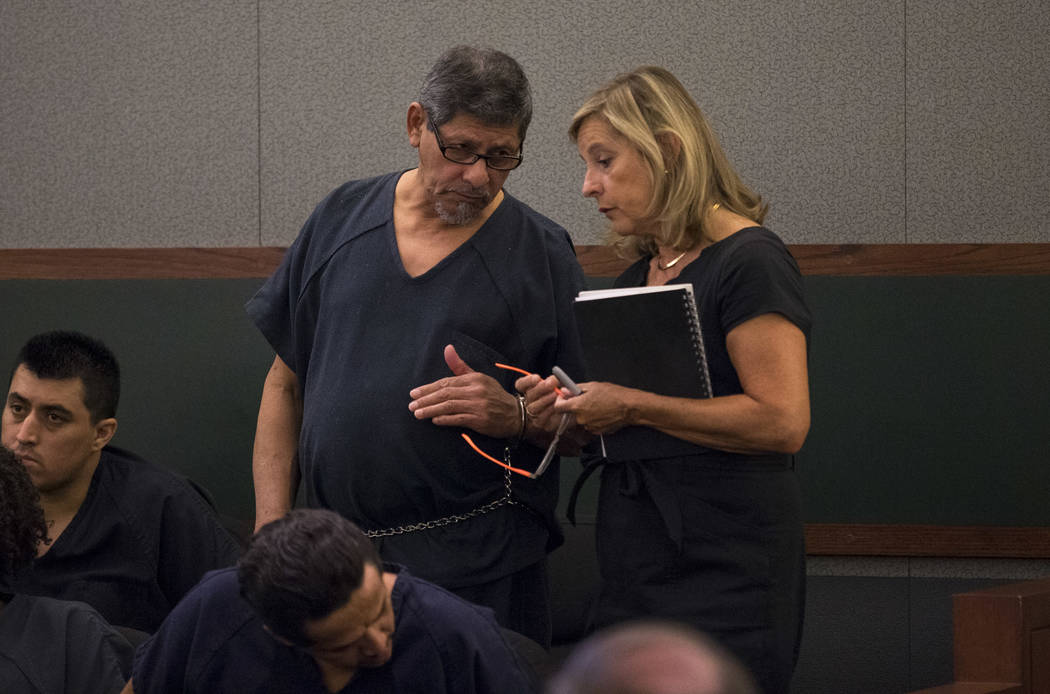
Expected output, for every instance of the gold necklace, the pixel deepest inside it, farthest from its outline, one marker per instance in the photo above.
(681, 255)
(670, 264)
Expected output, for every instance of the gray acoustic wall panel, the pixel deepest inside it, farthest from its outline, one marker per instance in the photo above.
(978, 121)
(808, 100)
(165, 124)
(336, 79)
(128, 124)
(807, 115)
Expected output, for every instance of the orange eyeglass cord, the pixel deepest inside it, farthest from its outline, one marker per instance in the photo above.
(485, 455)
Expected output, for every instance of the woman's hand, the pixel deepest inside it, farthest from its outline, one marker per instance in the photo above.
(771, 415)
(601, 408)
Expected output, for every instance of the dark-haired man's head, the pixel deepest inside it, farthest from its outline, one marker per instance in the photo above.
(469, 126)
(317, 583)
(22, 525)
(62, 355)
(60, 409)
(483, 83)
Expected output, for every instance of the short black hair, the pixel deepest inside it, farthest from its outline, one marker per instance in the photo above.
(22, 524)
(63, 354)
(303, 567)
(481, 82)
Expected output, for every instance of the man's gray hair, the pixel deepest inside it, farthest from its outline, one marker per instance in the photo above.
(481, 82)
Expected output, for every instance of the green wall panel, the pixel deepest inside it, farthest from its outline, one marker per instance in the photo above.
(931, 395)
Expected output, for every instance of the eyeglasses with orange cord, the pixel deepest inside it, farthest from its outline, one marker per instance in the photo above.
(570, 389)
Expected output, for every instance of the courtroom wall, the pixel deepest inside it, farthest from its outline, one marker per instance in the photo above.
(221, 124)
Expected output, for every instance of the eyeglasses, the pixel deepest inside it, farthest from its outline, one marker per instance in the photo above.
(547, 458)
(462, 155)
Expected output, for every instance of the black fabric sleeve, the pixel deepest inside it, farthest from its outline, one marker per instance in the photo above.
(192, 542)
(161, 662)
(99, 658)
(761, 277)
(185, 655)
(454, 644)
(273, 307)
(277, 309)
(49, 645)
(568, 283)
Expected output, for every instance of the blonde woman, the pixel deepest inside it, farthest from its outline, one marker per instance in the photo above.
(712, 536)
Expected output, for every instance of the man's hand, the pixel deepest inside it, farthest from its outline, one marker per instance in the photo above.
(540, 394)
(467, 399)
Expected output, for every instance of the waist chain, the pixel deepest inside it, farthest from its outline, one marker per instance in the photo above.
(504, 500)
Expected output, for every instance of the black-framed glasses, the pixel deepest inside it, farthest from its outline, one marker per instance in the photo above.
(462, 155)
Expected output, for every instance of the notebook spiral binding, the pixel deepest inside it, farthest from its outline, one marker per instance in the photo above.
(698, 342)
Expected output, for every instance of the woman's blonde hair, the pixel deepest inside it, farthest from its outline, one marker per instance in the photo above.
(687, 168)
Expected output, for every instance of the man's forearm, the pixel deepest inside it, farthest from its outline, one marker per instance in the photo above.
(275, 468)
(276, 484)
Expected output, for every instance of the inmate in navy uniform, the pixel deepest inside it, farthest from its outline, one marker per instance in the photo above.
(360, 333)
(141, 539)
(215, 643)
(52, 646)
(709, 537)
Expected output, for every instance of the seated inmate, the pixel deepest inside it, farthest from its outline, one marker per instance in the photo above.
(128, 537)
(310, 608)
(48, 646)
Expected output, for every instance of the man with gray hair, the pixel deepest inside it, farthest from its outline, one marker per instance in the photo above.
(651, 657)
(392, 316)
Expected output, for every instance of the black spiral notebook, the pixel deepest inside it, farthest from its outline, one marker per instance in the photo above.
(647, 338)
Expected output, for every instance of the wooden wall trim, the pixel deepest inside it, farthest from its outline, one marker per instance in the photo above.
(138, 263)
(843, 539)
(597, 261)
(881, 259)
(924, 259)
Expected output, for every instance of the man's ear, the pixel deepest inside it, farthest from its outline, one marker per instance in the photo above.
(415, 122)
(104, 431)
(671, 147)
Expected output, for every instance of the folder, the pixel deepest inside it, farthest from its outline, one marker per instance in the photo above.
(647, 338)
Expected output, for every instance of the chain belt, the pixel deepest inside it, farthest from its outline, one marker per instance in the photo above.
(504, 500)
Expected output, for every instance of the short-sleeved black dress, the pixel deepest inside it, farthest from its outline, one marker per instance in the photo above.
(713, 538)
